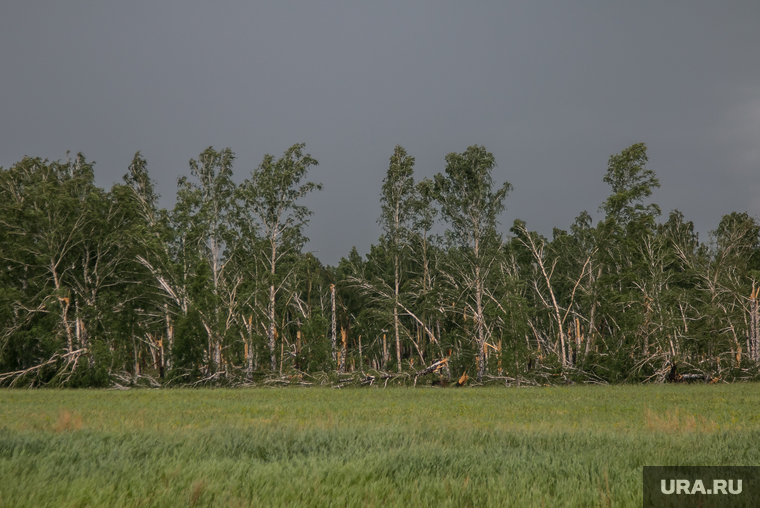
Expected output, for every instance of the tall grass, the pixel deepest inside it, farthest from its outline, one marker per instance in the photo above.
(573, 446)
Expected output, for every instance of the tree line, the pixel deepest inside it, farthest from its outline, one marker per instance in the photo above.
(104, 288)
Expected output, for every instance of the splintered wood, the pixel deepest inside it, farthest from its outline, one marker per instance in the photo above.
(753, 349)
(342, 352)
(436, 366)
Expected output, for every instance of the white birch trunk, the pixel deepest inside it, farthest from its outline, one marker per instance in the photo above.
(343, 352)
(169, 337)
(334, 330)
(272, 345)
(385, 353)
(479, 325)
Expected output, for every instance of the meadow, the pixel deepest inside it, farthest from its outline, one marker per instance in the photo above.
(574, 446)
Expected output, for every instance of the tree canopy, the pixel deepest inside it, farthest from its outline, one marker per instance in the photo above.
(105, 288)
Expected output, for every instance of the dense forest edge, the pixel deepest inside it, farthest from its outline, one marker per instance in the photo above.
(105, 289)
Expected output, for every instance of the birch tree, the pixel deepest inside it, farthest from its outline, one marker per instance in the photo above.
(544, 283)
(405, 213)
(43, 223)
(150, 241)
(471, 203)
(60, 250)
(271, 196)
(425, 255)
(628, 224)
(202, 217)
(397, 205)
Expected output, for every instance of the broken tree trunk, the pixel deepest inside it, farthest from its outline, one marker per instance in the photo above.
(385, 353)
(334, 329)
(361, 359)
(343, 351)
(433, 368)
(754, 324)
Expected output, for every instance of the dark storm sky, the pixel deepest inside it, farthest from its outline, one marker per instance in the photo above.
(551, 88)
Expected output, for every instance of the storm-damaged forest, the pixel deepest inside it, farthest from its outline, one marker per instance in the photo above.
(104, 288)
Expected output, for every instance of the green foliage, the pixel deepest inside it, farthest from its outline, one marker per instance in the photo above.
(187, 352)
(397, 196)
(100, 287)
(272, 192)
(316, 354)
(466, 195)
(631, 183)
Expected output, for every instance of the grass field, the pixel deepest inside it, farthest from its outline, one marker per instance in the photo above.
(562, 446)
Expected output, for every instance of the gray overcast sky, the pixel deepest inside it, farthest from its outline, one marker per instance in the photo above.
(551, 88)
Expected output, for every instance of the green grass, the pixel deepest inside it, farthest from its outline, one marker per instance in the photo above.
(568, 446)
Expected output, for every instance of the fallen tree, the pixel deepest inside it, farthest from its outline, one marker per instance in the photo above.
(72, 358)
